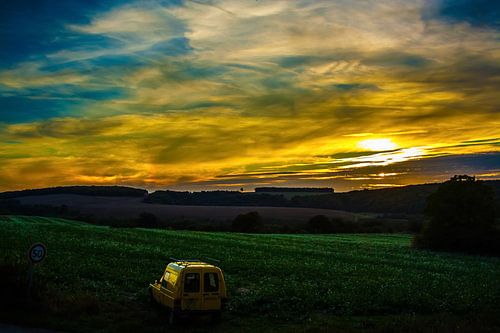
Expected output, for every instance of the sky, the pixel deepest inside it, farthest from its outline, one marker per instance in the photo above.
(202, 94)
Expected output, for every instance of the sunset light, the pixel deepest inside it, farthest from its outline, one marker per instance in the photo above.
(203, 95)
(378, 144)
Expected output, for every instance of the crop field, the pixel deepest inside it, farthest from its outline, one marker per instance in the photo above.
(95, 278)
(131, 207)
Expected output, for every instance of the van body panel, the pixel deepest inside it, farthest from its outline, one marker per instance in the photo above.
(190, 287)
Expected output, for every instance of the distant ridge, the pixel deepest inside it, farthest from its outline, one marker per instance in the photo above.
(92, 190)
(410, 199)
(295, 189)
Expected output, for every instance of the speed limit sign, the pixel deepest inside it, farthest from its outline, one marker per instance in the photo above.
(37, 253)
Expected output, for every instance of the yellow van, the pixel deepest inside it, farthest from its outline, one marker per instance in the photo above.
(190, 286)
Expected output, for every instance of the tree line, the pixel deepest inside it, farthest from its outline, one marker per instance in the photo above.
(104, 191)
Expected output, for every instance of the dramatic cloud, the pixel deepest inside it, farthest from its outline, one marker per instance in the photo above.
(224, 94)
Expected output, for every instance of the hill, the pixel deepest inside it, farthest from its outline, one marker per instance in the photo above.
(405, 200)
(131, 207)
(105, 191)
(409, 199)
(95, 278)
(295, 189)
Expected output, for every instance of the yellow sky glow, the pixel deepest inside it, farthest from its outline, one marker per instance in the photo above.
(245, 93)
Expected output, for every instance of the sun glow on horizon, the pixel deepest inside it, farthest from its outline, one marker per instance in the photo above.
(378, 144)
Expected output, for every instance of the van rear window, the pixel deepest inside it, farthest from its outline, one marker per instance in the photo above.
(192, 283)
(165, 279)
(169, 278)
(211, 282)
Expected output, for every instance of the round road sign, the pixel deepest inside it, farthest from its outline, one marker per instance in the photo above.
(37, 253)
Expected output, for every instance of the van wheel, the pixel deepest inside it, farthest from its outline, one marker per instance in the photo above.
(216, 317)
(171, 317)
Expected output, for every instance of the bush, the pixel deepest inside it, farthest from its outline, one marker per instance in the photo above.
(462, 213)
(250, 222)
(319, 224)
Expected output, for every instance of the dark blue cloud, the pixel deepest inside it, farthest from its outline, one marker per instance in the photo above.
(127, 60)
(201, 105)
(297, 61)
(246, 67)
(279, 81)
(172, 47)
(33, 28)
(181, 71)
(16, 109)
(482, 13)
(355, 86)
(472, 162)
(48, 102)
(389, 58)
(446, 166)
(294, 61)
(396, 58)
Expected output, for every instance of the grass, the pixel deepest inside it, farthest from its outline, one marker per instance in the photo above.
(94, 279)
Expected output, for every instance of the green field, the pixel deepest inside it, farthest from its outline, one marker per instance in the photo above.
(95, 279)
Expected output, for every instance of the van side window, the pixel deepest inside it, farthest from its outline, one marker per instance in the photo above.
(211, 282)
(192, 283)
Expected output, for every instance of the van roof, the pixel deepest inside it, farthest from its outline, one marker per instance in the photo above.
(180, 265)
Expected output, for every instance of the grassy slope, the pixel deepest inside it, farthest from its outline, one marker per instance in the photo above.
(275, 281)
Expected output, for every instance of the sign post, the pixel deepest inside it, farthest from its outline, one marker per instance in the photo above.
(36, 254)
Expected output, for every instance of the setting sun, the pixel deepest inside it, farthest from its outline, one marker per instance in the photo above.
(378, 144)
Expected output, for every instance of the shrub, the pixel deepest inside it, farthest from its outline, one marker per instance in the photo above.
(319, 224)
(250, 222)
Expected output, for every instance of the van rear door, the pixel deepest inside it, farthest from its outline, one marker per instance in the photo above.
(191, 290)
(168, 288)
(211, 290)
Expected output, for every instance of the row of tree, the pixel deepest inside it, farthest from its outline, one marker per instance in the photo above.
(103, 191)
(217, 198)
